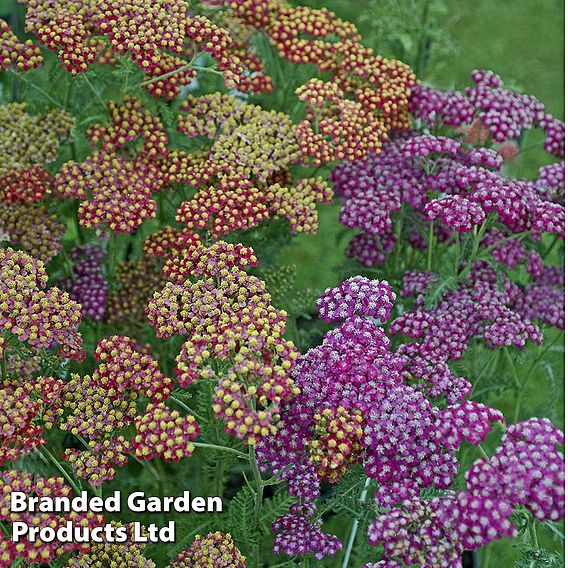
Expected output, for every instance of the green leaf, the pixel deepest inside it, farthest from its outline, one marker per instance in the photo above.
(438, 289)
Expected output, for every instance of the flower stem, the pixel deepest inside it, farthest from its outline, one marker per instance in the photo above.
(238, 453)
(38, 89)
(430, 245)
(259, 494)
(101, 101)
(354, 527)
(48, 456)
(187, 409)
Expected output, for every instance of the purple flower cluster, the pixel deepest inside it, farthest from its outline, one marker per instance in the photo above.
(527, 469)
(436, 179)
(88, 286)
(369, 249)
(405, 449)
(449, 107)
(407, 442)
(298, 534)
(504, 113)
(502, 317)
(457, 212)
(357, 296)
(423, 146)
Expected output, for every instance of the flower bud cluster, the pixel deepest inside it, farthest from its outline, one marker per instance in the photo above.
(297, 533)
(114, 191)
(118, 555)
(38, 551)
(40, 318)
(19, 435)
(88, 286)
(248, 141)
(27, 140)
(137, 281)
(169, 241)
(298, 203)
(130, 121)
(198, 260)
(234, 204)
(357, 296)
(161, 432)
(527, 469)
(156, 35)
(306, 35)
(50, 391)
(93, 410)
(17, 54)
(25, 186)
(31, 228)
(100, 462)
(457, 212)
(478, 308)
(213, 549)
(336, 128)
(227, 316)
(123, 367)
(336, 444)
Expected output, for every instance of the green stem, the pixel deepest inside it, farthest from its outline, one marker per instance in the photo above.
(509, 238)
(549, 249)
(187, 409)
(39, 90)
(519, 389)
(430, 245)
(259, 494)
(51, 458)
(96, 93)
(522, 387)
(188, 65)
(487, 557)
(238, 453)
(149, 466)
(354, 527)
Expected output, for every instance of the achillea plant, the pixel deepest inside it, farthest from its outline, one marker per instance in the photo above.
(155, 159)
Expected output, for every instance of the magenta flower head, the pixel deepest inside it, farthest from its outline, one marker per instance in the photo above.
(357, 296)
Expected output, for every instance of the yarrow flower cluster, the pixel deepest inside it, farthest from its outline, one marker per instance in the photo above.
(27, 140)
(38, 551)
(161, 432)
(20, 55)
(121, 555)
(404, 441)
(137, 281)
(40, 318)
(213, 549)
(357, 296)
(439, 530)
(232, 322)
(32, 228)
(159, 38)
(505, 114)
(20, 435)
(88, 285)
(477, 308)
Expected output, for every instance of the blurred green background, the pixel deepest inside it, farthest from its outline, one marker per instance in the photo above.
(521, 41)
